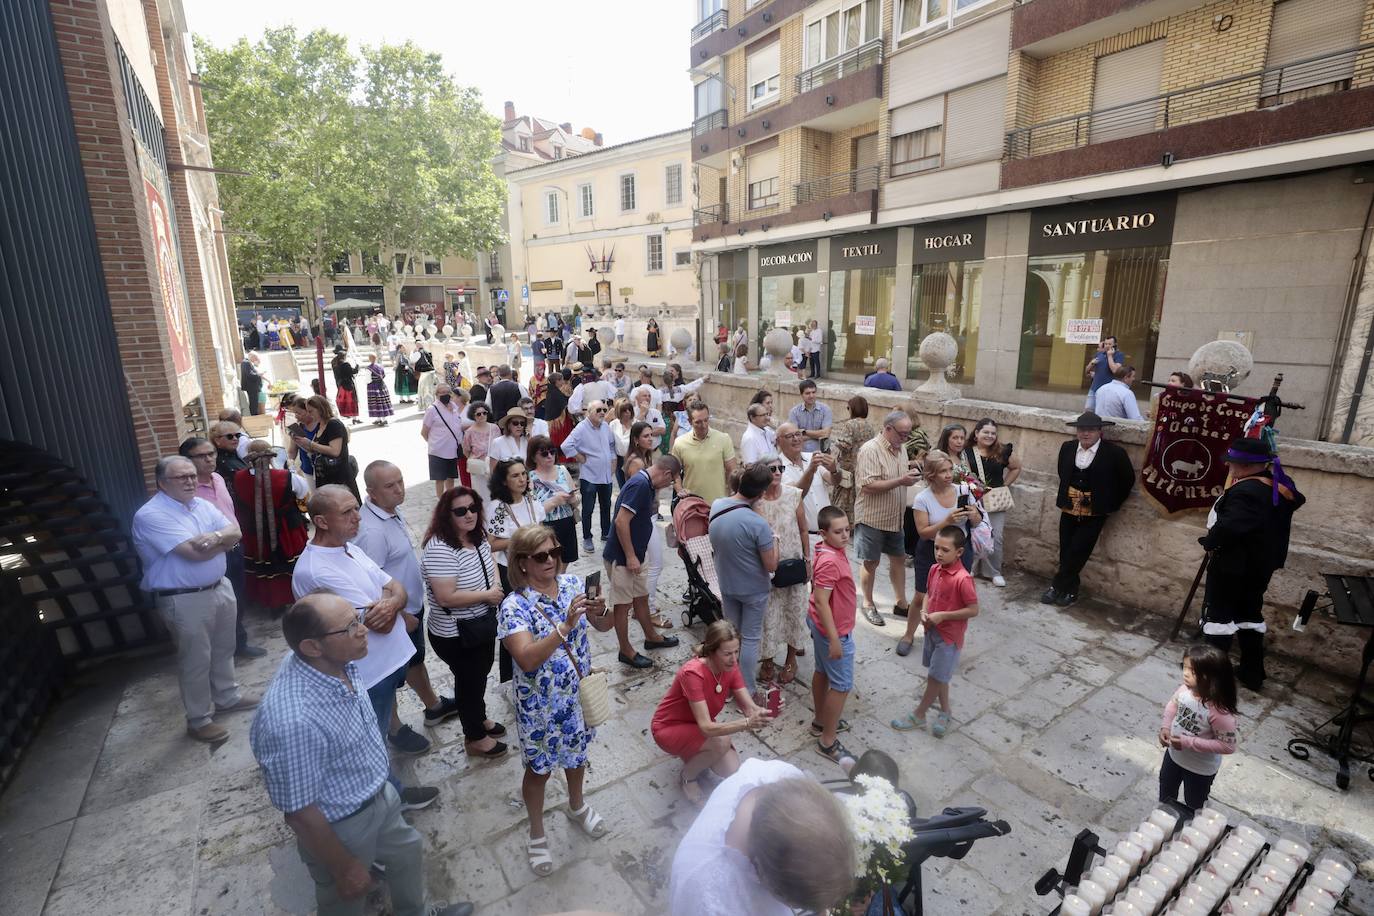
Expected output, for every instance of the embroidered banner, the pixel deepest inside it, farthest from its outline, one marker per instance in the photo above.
(1184, 467)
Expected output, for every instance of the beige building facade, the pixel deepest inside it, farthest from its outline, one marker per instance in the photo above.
(1168, 171)
(629, 208)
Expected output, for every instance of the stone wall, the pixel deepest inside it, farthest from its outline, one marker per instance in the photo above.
(1144, 560)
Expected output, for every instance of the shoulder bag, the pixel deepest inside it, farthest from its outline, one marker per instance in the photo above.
(478, 632)
(789, 572)
(330, 464)
(997, 499)
(439, 412)
(593, 690)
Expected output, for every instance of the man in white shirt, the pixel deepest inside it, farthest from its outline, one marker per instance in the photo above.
(817, 336)
(332, 563)
(181, 540)
(387, 540)
(618, 380)
(591, 389)
(758, 439)
(807, 471)
(620, 332)
(1116, 399)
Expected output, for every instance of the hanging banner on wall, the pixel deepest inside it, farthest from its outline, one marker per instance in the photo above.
(1083, 331)
(174, 308)
(1183, 466)
(866, 324)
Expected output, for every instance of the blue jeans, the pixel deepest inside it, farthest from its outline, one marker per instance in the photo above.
(746, 613)
(383, 697)
(592, 493)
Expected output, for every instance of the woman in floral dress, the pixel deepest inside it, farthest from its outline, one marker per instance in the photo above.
(543, 624)
(845, 439)
(784, 619)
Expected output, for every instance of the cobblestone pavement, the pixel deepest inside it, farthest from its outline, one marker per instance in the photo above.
(114, 811)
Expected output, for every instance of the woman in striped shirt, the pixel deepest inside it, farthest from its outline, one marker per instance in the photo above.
(464, 590)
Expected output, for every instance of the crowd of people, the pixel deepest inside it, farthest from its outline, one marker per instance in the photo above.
(578, 463)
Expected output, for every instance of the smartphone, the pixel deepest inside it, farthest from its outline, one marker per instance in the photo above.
(594, 586)
(962, 501)
(825, 446)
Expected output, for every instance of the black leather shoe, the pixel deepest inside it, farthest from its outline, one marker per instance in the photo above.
(1051, 596)
(639, 661)
(900, 611)
(1067, 598)
(666, 642)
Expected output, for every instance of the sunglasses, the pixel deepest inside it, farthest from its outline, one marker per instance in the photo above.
(515, 422)
(775, 468)
(232, 436)
(460, 511)
(480, 413)
(544, 556)
(546, 451)
(599, 410)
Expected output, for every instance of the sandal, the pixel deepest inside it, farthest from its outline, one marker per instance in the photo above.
(817, 731)
(541, 863)
(590, 822)
(789, 673)
(768, 671)
(661, 622)
(909, 723)
(691, 789)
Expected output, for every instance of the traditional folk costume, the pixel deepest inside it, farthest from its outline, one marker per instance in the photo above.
(1087, 495)
(1247, 536)
(378, 400)
(346, 397)
(404, 382)
(274, 532)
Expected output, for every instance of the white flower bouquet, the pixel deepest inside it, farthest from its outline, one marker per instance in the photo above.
(880, 825)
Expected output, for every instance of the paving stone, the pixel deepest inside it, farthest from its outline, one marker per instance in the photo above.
(1045, 700)
(129, 835)
(159, 886)
(1088, 669)
(997, 734)
(28, 863)
(1155, 678)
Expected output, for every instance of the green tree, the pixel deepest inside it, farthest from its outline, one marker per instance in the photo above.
(428, 146)
(282, 110)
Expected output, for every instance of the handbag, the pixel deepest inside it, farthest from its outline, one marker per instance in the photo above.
(477, 632)
(479, 467)
(593, 690)
(998, 499)
(789, 573)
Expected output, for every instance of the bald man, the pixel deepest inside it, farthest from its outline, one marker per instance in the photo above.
(592, 445)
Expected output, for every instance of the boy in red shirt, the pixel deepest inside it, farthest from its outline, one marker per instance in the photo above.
(831, 620)
(951, 600)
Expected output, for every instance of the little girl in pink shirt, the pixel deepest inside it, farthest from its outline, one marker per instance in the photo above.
(1199, 726)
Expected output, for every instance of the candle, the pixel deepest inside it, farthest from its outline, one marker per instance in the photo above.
(1094, 894)
(1332, 884)
(1241, 903)
(1336, 867)
(1196, 838)
(1208, 895)
(1256, 838)
(1119, 867)
(1107, 879)
(1211, 814)
(1235, 852)
(1166, 874)
(1188, 905)
(1075, 905)
(1279, 867)
(1176, 862)
(1155, 886)
(1127, 908)
(1187, 853)
(1164, 820)
(1224, 869)
(1142, 899)
(1294, 848)
(1132, 853)
(1314, 903)
(1154, 833)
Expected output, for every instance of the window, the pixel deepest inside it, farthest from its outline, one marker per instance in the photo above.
(653, 261)
(672, 184)
(558, 152)
(494, 265)
(524, 144)
(1126, 85)
(917, 151)
(627, 193)
(343, 264)
(763, 69)
(763, 179)
(371, 261)
(682, 257)
(400, 262)
(585, 205)
(550, 208)
(915, 15)
(973, 122)
(946, 296)
(706, 8)
(1305, 40)
(844, 29)
(432, 265)
(708, 96)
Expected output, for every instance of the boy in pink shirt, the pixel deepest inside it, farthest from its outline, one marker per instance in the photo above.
(950, 602)
(831, 620)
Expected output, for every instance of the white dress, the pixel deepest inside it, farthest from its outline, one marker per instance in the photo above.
(784, 620)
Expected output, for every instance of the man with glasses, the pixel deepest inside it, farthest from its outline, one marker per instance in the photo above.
(619, 382)
(226, 436)
(707, 455)
(881, 476)
(537, 426)
(758, 439)
(636, 510)
(181, 541)
(592, 445)
(807, 471)
(591, 389)
(332, 563)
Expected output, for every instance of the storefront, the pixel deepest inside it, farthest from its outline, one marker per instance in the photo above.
(732, 305)
(788, 285)
(1094, 269)
(863, 276)
(947, 291)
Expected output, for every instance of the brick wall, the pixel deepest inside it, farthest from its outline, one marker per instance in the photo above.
(114, 185)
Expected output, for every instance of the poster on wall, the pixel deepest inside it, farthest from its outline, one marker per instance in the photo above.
(174, 307)
(782, 318)
(866, 324)
(1184, 467)
(1083, 331)
(603, 293)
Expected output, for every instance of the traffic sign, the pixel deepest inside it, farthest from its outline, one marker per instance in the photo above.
(525, 294)
(502, 296)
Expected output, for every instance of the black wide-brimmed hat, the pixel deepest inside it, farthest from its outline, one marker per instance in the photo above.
(1089, 420)
(1245, 450)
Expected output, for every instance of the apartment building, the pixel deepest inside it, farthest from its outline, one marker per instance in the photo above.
(1023, 175)
(628, 207)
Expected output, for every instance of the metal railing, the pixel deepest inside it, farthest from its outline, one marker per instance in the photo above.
(717, 20)
(1334, 72)
(861, 58)
(837, 185)
(712, 213)
(713, 121)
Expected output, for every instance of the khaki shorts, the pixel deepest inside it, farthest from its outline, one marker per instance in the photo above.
(625, 585)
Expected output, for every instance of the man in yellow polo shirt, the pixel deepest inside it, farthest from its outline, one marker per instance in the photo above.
(707, 455)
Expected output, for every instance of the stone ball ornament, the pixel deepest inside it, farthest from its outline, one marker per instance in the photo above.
(938, 351)
(681, 339)
(607, 336)
(1228, 361)
(777, 343)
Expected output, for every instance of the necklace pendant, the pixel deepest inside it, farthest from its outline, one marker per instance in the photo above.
(719, 688)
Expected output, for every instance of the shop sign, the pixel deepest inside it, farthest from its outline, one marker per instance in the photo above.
(279, 292)
(957, 240)
(866, 325)
(543, 286)
(1184, 464)
(866, 249)
(1083, 331)
(1121, 222)
(370, 293)
(780, 260)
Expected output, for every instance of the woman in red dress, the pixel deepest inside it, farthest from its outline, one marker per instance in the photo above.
(685, 723)
(560, 422)
(273, 526)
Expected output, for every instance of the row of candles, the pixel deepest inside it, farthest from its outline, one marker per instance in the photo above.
(1143, 871)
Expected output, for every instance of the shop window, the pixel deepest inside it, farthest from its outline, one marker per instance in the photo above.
(793, 294)
(948, 297)
(1123, 287)
(861, 301)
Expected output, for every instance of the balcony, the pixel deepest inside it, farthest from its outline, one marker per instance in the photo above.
(714, 213)
(861, 58)
(712, 23)
(716, 120)
(1045, 27)
(1330, 93)
(841, 194)
(837, 185)
(492, 279)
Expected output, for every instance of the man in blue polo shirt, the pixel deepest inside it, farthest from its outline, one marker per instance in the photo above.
(1105, 362)
(635, 513)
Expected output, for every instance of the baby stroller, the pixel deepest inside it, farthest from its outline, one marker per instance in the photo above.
(690, 518)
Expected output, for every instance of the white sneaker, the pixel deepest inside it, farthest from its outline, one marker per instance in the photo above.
(999, 582)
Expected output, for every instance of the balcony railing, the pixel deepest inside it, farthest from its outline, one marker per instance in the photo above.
(493, 278)
(713, 213)
(861, 58)
(717, 20)
(838, 185)
(713, 121)
(1259, 89)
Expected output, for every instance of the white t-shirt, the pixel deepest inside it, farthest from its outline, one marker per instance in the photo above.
(620, 327)
(815, 499)
(503, 518)
(712, 879)
(756, 442)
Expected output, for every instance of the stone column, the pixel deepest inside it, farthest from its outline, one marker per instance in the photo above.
(901, 300)
(753, 314)
(823, 298)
